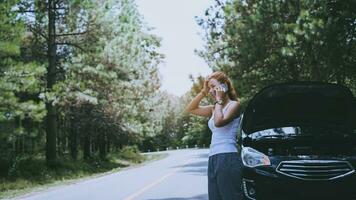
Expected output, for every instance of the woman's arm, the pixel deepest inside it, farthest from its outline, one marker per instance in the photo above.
(232, 111)
(194, 108)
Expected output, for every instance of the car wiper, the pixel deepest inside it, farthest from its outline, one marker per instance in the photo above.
(282, 136)
(269, 137)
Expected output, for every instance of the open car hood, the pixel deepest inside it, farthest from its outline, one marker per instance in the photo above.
(300, 104)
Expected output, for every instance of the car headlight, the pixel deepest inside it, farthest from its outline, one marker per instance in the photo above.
(253, 158)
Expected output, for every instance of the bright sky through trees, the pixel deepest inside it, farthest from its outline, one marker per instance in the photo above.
(174, 22)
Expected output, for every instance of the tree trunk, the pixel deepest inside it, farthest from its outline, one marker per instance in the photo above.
(102, 148)
(59, 139)
(108, 145)
(51, 118)
(86, 150)
(73, 137)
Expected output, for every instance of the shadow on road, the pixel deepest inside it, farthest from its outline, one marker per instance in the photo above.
(197, 164)
(198, 197)
(197, 168)
(202, 155)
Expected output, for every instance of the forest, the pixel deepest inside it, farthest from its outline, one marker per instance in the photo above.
(79, 80)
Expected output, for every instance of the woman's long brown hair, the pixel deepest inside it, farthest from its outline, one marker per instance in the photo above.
(222, 78)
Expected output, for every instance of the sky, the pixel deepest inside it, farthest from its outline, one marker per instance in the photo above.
(174, 21)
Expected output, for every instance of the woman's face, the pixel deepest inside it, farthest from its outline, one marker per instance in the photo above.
(213, 83)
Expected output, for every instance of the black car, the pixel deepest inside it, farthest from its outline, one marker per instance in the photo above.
(297, 140)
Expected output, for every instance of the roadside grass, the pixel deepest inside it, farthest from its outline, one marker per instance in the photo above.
(31, 174)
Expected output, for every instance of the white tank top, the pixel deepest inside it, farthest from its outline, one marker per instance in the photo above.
(223, 139)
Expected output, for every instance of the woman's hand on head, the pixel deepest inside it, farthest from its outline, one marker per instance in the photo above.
(205, 86)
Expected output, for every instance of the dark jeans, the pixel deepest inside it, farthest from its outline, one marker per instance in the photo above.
(224, 177)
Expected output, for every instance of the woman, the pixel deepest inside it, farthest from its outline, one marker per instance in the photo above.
(224, 168)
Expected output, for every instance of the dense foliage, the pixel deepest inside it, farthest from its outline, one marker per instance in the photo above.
(260, 42)
(79, 79)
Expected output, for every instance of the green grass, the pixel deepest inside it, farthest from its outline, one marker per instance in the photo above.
(33, 175)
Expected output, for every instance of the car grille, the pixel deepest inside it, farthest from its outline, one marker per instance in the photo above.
(315, 169)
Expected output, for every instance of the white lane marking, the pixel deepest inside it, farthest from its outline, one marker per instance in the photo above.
(149, 186)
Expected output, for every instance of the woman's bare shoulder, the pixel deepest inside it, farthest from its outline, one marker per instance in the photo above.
(235, 107)
(235, 102)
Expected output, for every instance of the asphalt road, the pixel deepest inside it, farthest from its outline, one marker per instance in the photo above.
(180, 176)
